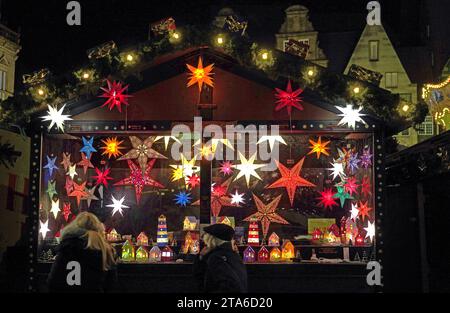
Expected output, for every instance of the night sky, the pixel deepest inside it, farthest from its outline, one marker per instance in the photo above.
(47, 41)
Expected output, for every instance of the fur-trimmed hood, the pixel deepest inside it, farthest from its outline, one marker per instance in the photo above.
(72, 231)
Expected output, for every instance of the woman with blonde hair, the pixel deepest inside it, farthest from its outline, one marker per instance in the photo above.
(83, 242)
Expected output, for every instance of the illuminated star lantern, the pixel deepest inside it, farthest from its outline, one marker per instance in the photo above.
(55, 208)
(185, 170)
(66, 211)
(183, 198)
(85, 163)
(366, 158)
(353, 162)
(193, 181)
(72, 171)
(90, 195)
(237, 198)
(139, 179)
(51, 190)
(112, 147)
(66, 161)
(247, 168)
(56, 117)
(220, 198)
(102, 177)
(370, 230)
(50, 166)
(88, 146)
(271, 140)
(337, 170)
(225, 168)
(326, 199)
(290, 179)
(69, 185)
(167, 139)
(200, 75)
(354, 212)
(365, 186)
(350, 185)
(350, 116)
(43, 229)
(78, 191)
(288, 99)
(117, 205)
(319, 147)
(142, 151)
(115, 95)
(344, 156)
(364, 210)
(342, 195)
(266, 214)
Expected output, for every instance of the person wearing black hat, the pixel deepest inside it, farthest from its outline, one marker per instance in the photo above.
(219, 268)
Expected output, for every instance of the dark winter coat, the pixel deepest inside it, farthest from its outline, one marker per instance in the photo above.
(93, 277)
(221, 271)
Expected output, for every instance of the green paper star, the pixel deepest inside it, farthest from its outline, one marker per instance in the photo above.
(342, 195)
(51, 190)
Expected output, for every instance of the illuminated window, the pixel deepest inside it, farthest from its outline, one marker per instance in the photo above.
(373, 50)
(406, 97)
(391, 80)
(426, 128)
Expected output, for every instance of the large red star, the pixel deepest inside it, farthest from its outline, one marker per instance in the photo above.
(220, 198)
(289, 99)
(326, 199)
(138, 179)
(266, 214)
(115, 94)
(78, 191)
(290, 179)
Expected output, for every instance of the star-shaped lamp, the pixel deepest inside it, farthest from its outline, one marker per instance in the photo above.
(288, 99)
(55, 208)
(342, 195)
(88, 147)
(319, 147)
(247, 168)
(183, 198)
(102, 176)
(142, 151)
(117, 205)
(78, 191)
(271, 140)
(50, 166)
(112, 147)
(370, 230)
(350, 116)
(115, 95)
(85, 163)
(200, 75)
(220, 197)
(326, 199)
(43, 229)
(56, 117)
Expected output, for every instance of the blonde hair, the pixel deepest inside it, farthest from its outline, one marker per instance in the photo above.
(95, 233)
(212, 241)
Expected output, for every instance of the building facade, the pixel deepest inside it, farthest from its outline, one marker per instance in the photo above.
(9, 50)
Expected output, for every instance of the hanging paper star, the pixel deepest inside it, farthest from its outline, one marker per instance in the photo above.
(78, 191)
(366, 158)
(337, 170)
(112, 147)
(271, 140)
(85, 163)
(237, 198)
(290, 179)
(51, 190)
(102, 176)
(55, 208)
(193, 181)
(88, 147)
(115, 94)
(66, 161)
(364, 209)
(370, 230)
(353, 162)
(43, 229)
(186, 169)
(166, 140)
(69, 185)
(50, 166)
(319, 147)
(66, 210)
(56, 117)
(72, 171)
(247, 168)
(139, 179)
(117, 205)
(214, 144)
(266, 214)
(177, 173)
(142, 151)
(90, 195)
(220, 198)
(342, 195)
(225, 168)
(183, 198)
(350, 116)
(365, 186)
(288, 99)
(199, 75)
(326, 199)
(344, 156)
(350, 185)
(354, 212)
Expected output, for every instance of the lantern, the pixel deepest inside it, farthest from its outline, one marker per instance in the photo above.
(253, 233)
(287, 251)
(187, 243)
(317, 234)
(161, 235)
(190, 223)
(128, 251)
(194, 248)
(113, 235)
(249, 255)
(263, 254)
(142, 239)
(155, 254)
(166, 254)
(275, 255)
(141, 254)
(274, 240)
(343, 230)
(330, 237)
(351, 230)
(359, 240)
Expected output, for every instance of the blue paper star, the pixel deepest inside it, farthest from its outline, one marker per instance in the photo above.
(87, 147)
(353, 162)
(51, 165)
(183, 198)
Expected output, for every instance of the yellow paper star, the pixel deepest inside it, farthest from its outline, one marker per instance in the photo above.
(112, 147)
(200, 75)
(186, 169)
(319, 147)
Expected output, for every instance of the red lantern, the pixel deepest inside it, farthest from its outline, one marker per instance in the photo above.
(359, 240)
(263, 255)
(166, 254)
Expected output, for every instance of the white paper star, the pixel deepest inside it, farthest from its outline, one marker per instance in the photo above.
(237, 198)
(117, 205)
(247, 168)
(43, 229)
(55, 208)
(370, 229)
(354, 212)
(56, 117)
(72, 171)
(350, 116)
(337, 170)
(271, 140)
(166, 140)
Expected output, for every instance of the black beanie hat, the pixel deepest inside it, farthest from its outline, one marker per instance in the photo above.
(221, 231)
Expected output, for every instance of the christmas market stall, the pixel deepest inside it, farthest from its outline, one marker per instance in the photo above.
(141, 138)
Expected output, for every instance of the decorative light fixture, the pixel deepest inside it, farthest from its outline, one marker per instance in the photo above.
(354, 211)
(310, 73)
(237, 198)
(247, 168)
(56, 117)
(130, 57)
(43, 229)
(112, 147)
(86, 75)
(55, 208)
(337, 170)
(405, 108)
(350, 116)
(356, 90)
(370, 230)
(115, 95)
(117, 205)
(41, 92)
(220, 39)
(319, 147)
(271, 140)
(288, 98)
(200, 75)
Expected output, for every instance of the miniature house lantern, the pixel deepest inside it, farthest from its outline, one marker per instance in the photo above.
(253, 233)
(141, 254)
(128, 251)
(249, 255)
(155, 254)
(194, 248)
(275, 255)
(263, 254)
(161, 235)
(359, 240)
(274, 240)
(287, 251)
(166, 254)
(187, 243)
(142, 239)
(317, 234)
(190, 223)
(113, 236)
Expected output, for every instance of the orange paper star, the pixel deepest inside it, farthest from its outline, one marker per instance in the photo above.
(319, 147)
(112, 147)
(199, 75)
(78, 192)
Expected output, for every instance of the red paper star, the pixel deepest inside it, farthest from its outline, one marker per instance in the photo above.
(138, 179)
(266, 214)
(290, 179)
(289, 99)
(85, 162)
(364, 210)
(78, 191)
(225, 168)
(193, 181)
(351, 185)
(365, 186)
(326, 199)
(102, 177)
(69, 185)
(115, 95)
(220, 198)
(66, 211)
